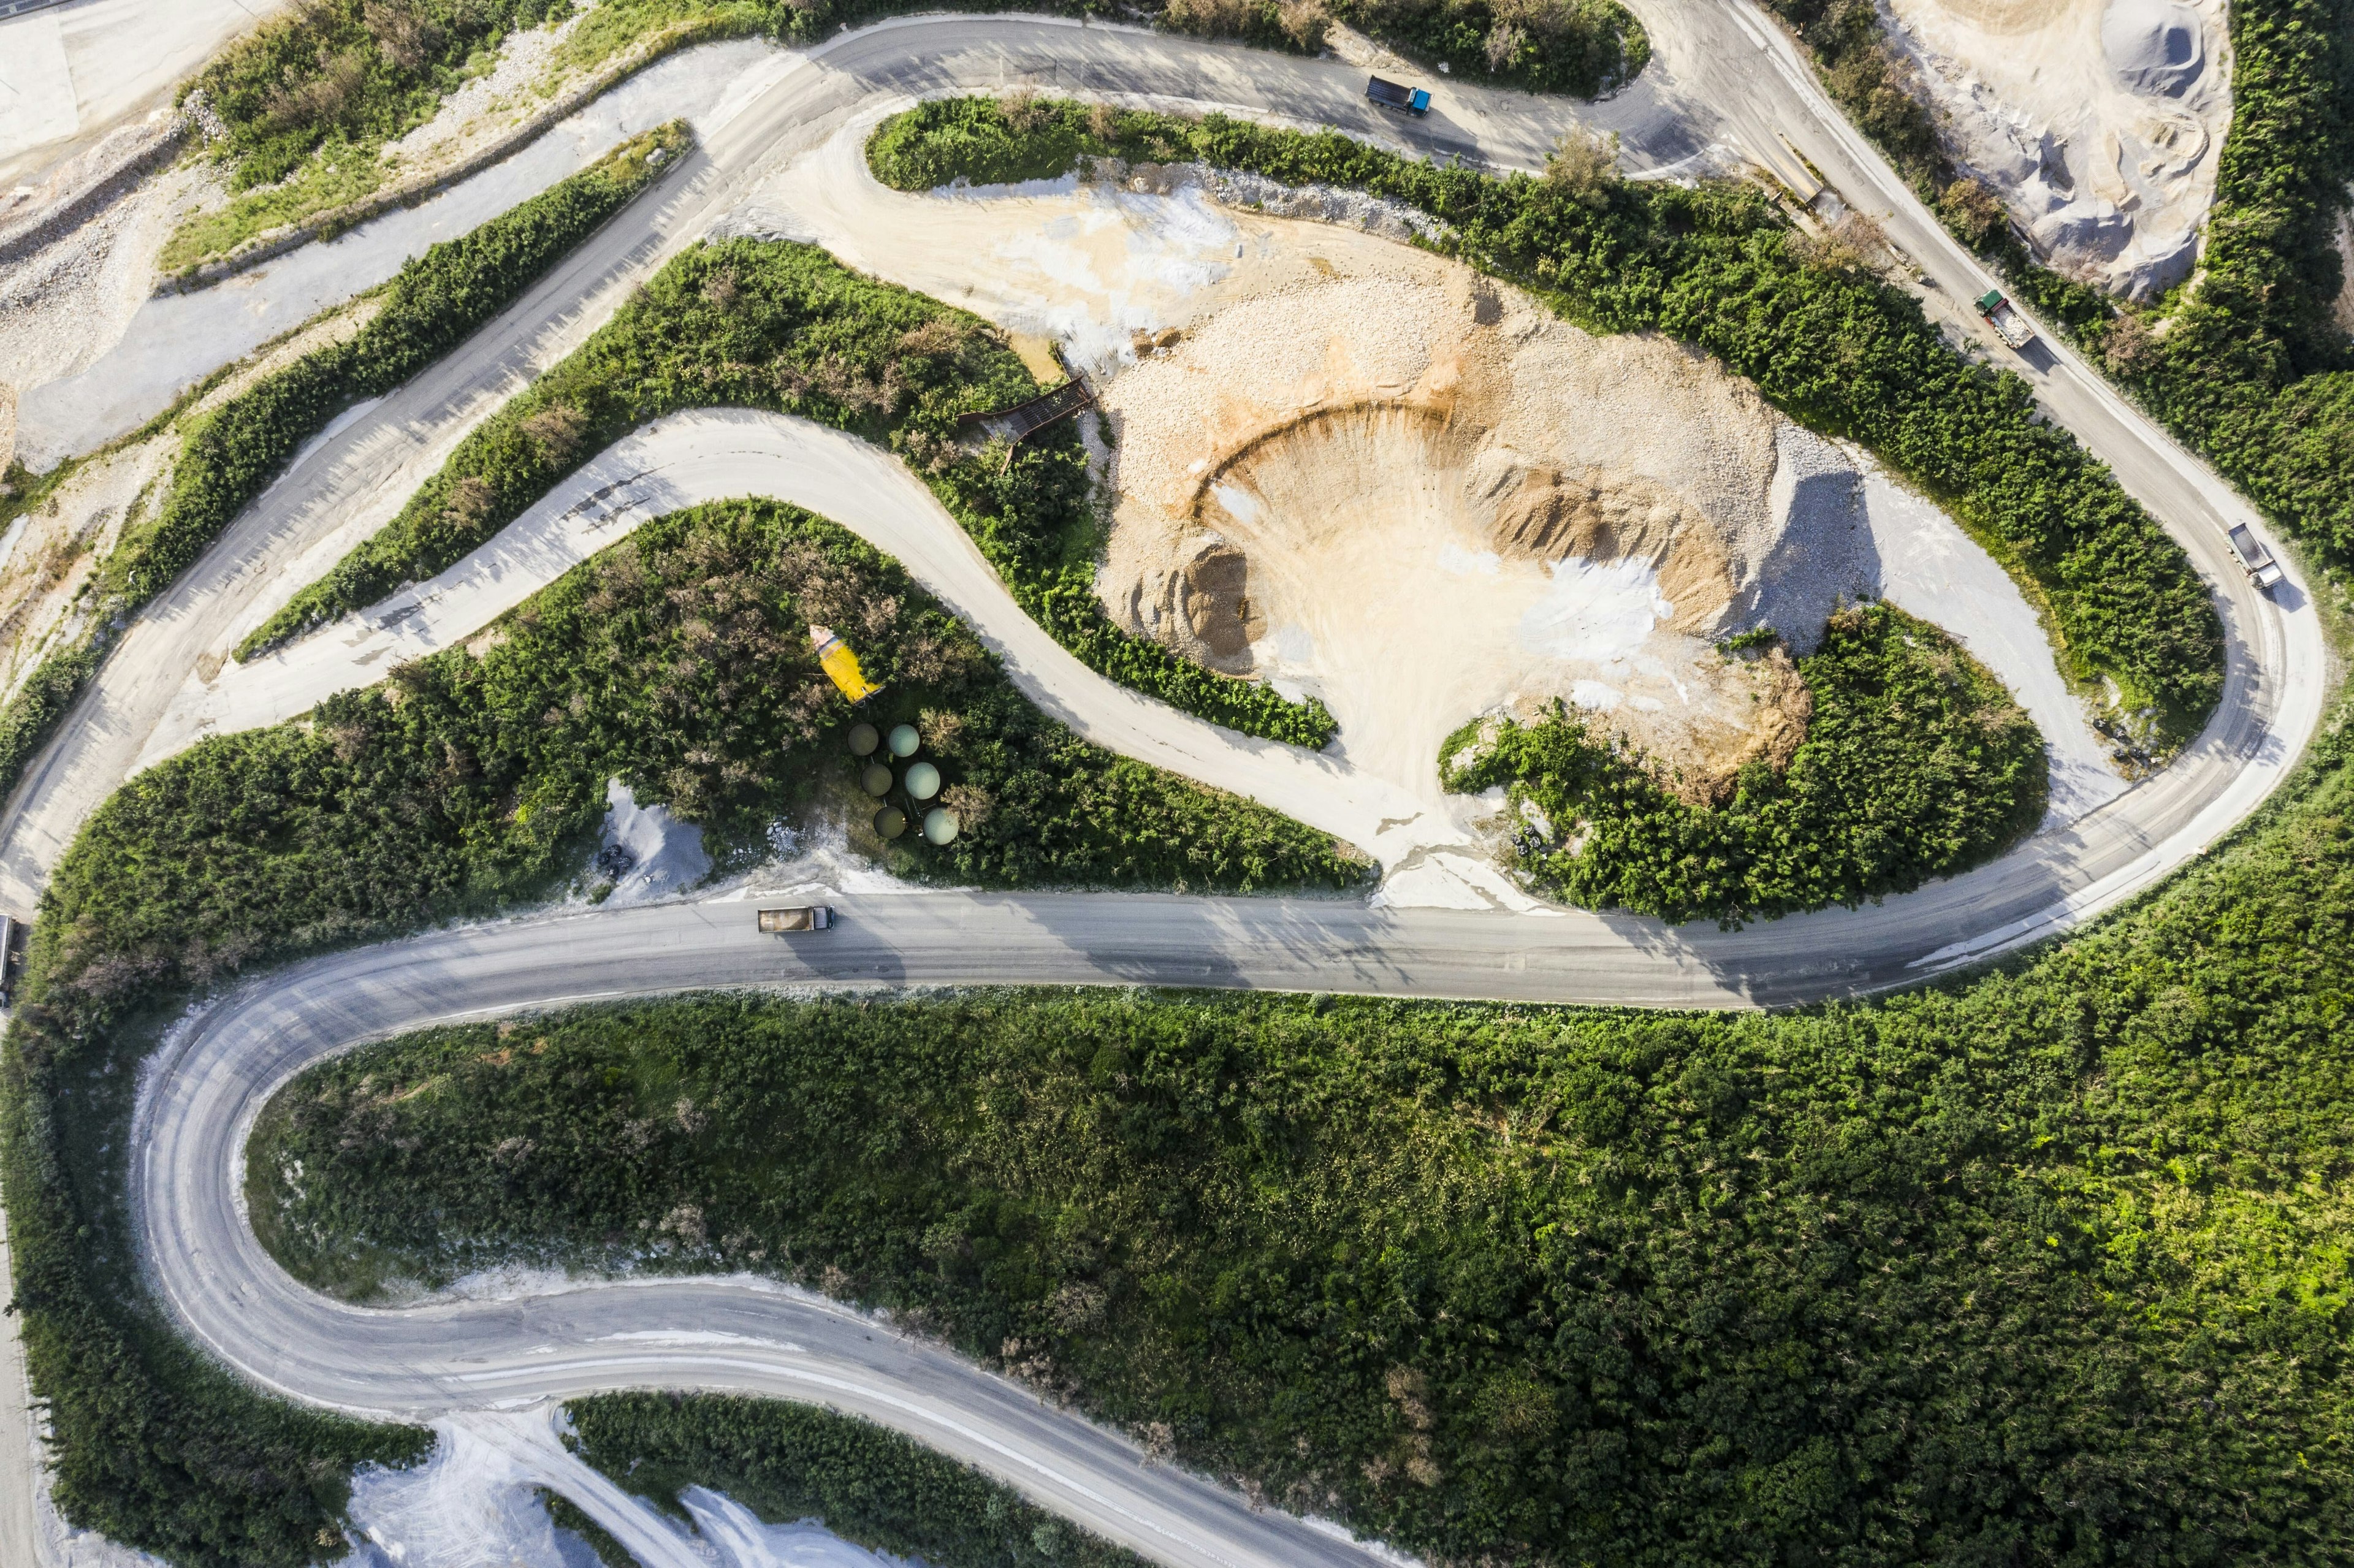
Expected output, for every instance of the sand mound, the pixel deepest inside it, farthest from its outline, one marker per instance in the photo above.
(2099, 122)
(1419, 495)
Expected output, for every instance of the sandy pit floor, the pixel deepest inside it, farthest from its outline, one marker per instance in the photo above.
(1420, 496)
(2099, 121)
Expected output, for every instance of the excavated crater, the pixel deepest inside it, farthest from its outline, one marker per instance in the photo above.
(1419, 497)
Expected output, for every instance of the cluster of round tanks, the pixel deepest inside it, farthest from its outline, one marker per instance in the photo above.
(921, 780)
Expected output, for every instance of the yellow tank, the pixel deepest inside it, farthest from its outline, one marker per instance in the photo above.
(841, 665)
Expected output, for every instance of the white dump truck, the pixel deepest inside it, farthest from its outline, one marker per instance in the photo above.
(800, 917)
(2263, 570)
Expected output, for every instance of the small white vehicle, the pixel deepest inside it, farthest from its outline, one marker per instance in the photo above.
(2263, 570)
(802, 918)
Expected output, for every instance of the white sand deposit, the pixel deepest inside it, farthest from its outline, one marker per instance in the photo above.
(2099, 122)
(475, 1503)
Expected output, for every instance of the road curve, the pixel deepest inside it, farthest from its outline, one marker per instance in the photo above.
(740, 1335)
(364, 470)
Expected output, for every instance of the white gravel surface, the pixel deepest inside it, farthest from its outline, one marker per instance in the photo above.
(73, 72)
(171, 340)
(657, 855)
(2100, 123)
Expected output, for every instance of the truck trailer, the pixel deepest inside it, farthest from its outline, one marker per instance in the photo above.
(1387, 94)
(2263, 570)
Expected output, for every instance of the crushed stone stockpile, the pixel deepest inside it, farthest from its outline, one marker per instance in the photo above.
(1419, 495)
(2099, 121)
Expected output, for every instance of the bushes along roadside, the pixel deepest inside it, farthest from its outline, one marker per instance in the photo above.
(679, 661)
(310, 101)
(233, 453)
(435, 302)
(864, 1483)
(772, 325)
(1916, 764)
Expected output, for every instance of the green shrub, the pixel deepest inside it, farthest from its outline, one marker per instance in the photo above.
(344, 71)
(760, 325)
(1584, 48)
(33, 714)
(150, 1442)
(863, 1482)
(1839, 350)
(434, 303)
(2046, 1267)
(1916, 764)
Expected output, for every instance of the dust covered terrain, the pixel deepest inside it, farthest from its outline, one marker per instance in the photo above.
(2099, 122)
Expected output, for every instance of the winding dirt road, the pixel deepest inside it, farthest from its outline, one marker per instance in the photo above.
(1722, 74)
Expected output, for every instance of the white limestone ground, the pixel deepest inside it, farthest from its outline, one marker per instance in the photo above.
(475, 1503)
(75, 72)
(2099, 122)
(174, 339)
(650, 854)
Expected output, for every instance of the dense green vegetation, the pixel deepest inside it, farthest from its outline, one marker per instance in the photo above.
(866, 1484)
(1916, 764)
(753, 323)
(1584, 48)
(2050, 1266)
(680, 661)
(1831, 344)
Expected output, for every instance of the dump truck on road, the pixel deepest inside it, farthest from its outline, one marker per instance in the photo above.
(1387, 94)
(2263, 570)
(801, 918)
(2004, 317)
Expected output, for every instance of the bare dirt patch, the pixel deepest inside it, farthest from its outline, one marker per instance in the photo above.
(2346, 254)
(1414, 493)
(2099, 121)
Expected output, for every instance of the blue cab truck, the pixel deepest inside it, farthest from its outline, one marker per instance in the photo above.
(1405, 99)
